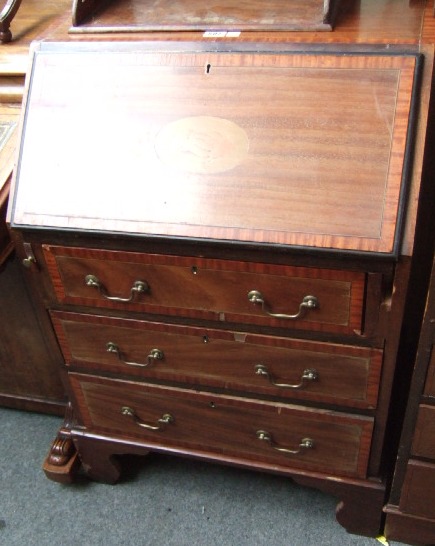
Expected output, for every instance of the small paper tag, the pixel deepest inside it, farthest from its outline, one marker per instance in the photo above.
(221, 34)
(214, 34)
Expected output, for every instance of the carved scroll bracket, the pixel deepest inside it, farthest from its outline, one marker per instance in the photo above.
(62, 462)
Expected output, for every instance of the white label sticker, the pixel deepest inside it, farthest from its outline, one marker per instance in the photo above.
(221, 34)
(214, 34)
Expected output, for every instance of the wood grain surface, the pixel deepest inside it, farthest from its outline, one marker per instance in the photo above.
(129, 15)
(203, 356)
(206, 421)
(322, 164)
(209, 289)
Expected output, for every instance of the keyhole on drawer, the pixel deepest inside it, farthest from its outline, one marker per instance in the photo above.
(212, 405)
(207, 68)
(194, 270)
(205, 339)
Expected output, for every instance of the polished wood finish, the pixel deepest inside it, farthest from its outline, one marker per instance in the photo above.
(410, 529)
(412, 499)
(366, 21)
(363, 22)
(424, 439)
(345, 375)
(418, 493)
(99, 457)
(333, 171)
(131, 16)
(62, 462)
(7, 14)
(66, 472)
(209, 289)
(367, 25)
(214, 422)
(376, 31)
(29, 371)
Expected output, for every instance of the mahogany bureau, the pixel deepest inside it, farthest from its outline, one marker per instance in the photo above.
(221, 234)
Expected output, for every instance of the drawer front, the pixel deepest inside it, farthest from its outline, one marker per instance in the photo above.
(423, 444)
(232, 360)
(418, 492)
(285, 296)
(261, 432)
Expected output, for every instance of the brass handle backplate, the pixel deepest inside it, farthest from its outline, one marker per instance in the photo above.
(306, 443)
(153, 355)
(308, 375)
(139, 287)
(307, 303)
(164, 420)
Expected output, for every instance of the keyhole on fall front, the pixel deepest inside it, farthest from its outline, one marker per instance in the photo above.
(207, 68)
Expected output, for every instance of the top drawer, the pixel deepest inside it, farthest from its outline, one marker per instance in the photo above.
(223, 290)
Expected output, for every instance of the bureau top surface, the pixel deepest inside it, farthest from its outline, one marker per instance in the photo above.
(290, 149)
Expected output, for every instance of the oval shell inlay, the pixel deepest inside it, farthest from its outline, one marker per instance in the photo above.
(202, 144)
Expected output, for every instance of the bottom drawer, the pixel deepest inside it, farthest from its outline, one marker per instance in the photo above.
(418, 492)
(264, 432)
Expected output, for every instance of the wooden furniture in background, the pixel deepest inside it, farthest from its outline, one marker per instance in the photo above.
(7, 14)
(29, 371)
(307, 15)
(410, 510)
(29, 366)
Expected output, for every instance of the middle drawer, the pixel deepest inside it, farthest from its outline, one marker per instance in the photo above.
(270, 365)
